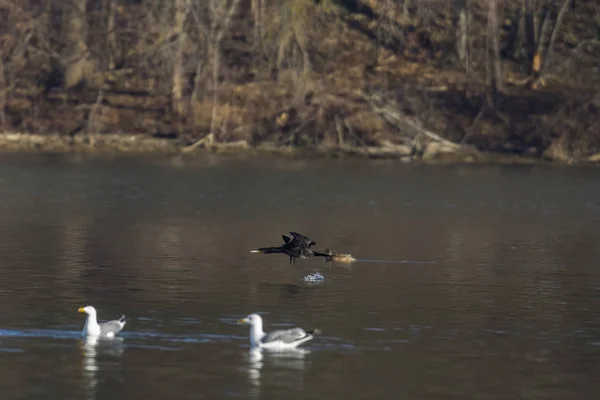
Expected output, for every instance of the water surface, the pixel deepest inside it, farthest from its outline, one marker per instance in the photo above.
(472, 282)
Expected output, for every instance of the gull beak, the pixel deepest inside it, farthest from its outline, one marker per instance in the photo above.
(80, 309)
(254, 251)
(243, 321)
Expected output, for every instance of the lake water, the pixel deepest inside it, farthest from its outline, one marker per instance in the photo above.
(471, 282)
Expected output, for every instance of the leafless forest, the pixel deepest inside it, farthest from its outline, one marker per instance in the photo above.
(513, 76)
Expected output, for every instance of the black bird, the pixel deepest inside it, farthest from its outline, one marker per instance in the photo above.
(297, 237)
(296, 246)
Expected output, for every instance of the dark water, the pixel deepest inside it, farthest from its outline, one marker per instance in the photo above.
(503, 303)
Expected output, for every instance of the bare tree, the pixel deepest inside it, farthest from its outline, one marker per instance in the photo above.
(23, 49)
(182, 8)
(3, 90)
(213, 21)
(406, 9)
(293, 36)
(493, 61)
(541, 22)
(529, 32)
(75, 55)
(258, 14)
(111, 32)
(462, 25)
(549, 47)
(222, 12)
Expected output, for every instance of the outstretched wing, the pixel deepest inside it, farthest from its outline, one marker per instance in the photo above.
(286, 336)
(286, 238)
(303, 239)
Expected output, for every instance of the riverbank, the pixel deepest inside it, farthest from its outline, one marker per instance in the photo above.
(432, 152)
(418, 82)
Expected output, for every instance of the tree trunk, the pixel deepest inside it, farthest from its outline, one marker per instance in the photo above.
(302, 40)
(557, 26)
(542, 42)
(75, 57)
(461, 25)
(258, 12)
(3, 90)
(222, 13)
(406, 10)
(216, 64)
(199, 77)
(178, 78)
(493, 61)
(496, 47)
(111, 35)
(530, 33)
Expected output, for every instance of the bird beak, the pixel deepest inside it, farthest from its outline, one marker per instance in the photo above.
(80, 309)
(243, 321)
(254, 251)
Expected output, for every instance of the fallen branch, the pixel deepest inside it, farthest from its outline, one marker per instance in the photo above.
(299, 128)
(353, 133)
(340, 131)
(408, 124)
(207, 141)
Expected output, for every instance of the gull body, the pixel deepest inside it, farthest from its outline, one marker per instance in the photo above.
(275, 340)
(92, 328)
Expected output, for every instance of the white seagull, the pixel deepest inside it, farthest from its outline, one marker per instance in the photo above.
(280, 339)
(104, 329)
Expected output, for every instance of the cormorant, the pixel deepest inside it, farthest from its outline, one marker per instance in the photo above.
(296, 246)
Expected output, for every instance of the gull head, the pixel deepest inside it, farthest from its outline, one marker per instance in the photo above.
(87, 310)
(252, 319)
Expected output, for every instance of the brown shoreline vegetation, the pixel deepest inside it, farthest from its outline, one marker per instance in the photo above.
(515, 81)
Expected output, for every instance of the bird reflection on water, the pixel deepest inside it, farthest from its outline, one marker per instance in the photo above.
(289, 362)
(91, 348)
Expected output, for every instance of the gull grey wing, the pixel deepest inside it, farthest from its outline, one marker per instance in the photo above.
(286, 336)
(113, 327)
